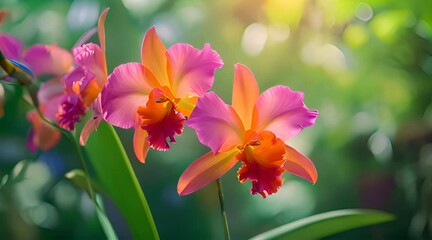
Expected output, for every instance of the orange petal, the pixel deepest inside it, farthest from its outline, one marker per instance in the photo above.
(300, 165)
(153, 55)
(45, 136)
(245, 93)
(160, 119)
(101, 29)
(3, 15)
(205, 170)
(141, 146)
(263, 161)
(186, 105)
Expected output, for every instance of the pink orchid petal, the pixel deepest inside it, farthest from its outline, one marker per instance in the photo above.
(74, 80)
(101, 29)
(50, 96)
(48, 59)
(192, 70)
(91, 57)
(282, 111)
(93, 123)
(30, 141)
(300, 165)
(245, 93)
(128, 87)
(205, 170)
(140, 143)
(153, 55)
(11, 46)
(217, 124)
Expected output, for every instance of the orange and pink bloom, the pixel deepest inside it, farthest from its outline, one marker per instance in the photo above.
(253, 130)
(41, 60)
(156, 96)
(84, 84)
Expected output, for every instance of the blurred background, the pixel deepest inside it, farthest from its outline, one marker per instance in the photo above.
(366, 66)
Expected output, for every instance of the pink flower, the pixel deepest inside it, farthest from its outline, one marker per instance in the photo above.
(84, 84)
(253, 131)
(155, 97)
(41, 60)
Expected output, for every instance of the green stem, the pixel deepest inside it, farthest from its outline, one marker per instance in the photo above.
(223, 212)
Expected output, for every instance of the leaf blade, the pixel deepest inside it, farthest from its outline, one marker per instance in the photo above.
(118, 179)
(326, 224)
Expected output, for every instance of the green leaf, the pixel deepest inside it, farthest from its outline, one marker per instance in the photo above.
(104, 221)
(117, 178)
(79, 178)
(326, 224)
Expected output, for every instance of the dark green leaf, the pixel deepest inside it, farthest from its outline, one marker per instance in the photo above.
(118, 179)
(326, 224)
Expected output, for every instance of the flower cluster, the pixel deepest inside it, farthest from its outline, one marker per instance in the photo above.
(158, 96)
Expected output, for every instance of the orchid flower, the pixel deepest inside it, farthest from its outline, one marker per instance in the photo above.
(43, 135)
(84, 84)
(157, 96)
(253, 130)
(41, 60)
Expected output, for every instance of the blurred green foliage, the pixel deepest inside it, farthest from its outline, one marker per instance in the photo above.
(365, 65)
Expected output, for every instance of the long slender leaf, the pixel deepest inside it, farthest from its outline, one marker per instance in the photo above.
(118, 179)
(79, 178)
(104, 221)
(326, 224)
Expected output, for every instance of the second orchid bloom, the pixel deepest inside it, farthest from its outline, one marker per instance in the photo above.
(156, 96)
(253, 131)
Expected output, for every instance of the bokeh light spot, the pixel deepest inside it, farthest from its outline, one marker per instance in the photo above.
(364, 12)
(82, 14)
(254, 39)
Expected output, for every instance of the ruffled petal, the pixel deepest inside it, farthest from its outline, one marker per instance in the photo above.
(11, 46)
(128, 87)
(205, 170)
(245, 93)
(192, 70)
(153, 55)
(91, 57)
(48, 59)
(160, 119)
(282, 111)
(70, 111)
(300, 165)
(140, 143)
(217, 124)
(263, 164)
(42, 136)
